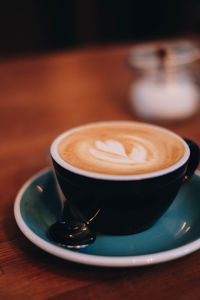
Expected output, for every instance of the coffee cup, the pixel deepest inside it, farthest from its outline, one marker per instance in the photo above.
(120, 177)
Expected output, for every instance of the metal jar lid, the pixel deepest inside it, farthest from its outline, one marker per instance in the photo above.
(172, 54)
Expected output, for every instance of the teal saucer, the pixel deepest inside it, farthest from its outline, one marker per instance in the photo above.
(176, 234)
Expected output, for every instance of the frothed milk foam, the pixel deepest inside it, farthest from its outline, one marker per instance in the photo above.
(121, 148)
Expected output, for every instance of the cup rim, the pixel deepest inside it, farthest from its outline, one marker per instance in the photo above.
(57, 158)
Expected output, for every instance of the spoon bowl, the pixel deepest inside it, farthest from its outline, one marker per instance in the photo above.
(71, 231)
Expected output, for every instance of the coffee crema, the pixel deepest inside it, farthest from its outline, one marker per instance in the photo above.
(121, 148)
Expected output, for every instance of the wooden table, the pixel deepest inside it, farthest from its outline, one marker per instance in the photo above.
(39, 98)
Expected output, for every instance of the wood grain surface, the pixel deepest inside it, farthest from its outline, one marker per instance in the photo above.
(41, 97)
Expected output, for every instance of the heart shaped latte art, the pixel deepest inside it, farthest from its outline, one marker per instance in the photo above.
(114, 151)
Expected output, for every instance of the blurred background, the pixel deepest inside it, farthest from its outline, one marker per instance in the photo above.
(35, 26)
(160, 80)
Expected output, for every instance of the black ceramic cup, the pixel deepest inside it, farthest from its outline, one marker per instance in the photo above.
(122, 204)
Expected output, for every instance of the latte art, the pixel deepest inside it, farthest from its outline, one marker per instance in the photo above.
(114, 151)
(121, 148)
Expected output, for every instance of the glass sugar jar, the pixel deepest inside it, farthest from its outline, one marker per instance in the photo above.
(164, 87)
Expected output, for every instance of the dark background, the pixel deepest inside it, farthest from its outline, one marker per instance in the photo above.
(35, 26)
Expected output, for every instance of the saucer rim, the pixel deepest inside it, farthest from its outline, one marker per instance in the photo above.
(96, 260)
